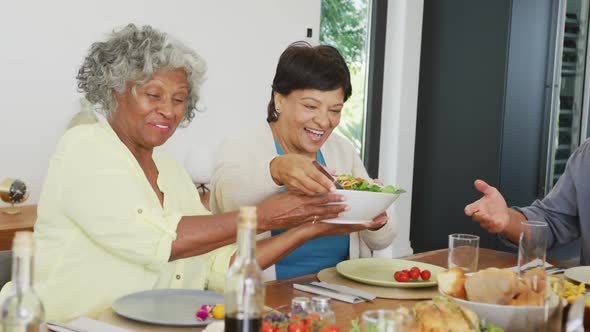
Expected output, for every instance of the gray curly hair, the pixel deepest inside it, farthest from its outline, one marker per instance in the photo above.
(133, 54)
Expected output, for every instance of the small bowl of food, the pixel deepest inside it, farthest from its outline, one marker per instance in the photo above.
(366, 199)
(498, 296)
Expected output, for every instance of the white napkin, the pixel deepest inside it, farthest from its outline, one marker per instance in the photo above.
(341, 293)
(85, 324)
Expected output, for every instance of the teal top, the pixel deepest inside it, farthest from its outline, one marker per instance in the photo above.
(316, 254)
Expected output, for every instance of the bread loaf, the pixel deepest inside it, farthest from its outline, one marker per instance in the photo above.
(492, 285)
(452, 282)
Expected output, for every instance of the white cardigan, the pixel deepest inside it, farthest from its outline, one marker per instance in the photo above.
(242, 177)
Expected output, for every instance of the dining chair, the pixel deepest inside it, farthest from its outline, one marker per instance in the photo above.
(5, 266)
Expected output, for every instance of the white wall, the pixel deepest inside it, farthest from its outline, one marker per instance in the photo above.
(44, 42)
(398, 122)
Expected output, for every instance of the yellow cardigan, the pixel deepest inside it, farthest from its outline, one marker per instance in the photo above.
(101, 232)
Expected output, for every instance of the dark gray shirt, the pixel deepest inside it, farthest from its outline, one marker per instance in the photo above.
(566, 208)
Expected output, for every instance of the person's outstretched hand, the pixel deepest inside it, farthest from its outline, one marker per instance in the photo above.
(490, 211)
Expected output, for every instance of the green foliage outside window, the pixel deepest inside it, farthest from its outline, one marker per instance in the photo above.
(344, 25)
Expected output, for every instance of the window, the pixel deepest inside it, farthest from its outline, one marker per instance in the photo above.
(357, 29)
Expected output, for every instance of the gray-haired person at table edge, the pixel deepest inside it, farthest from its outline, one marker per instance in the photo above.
(566, 208)
(116, 217)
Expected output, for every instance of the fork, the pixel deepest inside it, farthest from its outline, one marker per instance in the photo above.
(552, 268)
(328, 175)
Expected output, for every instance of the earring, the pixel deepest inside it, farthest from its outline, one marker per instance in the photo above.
(278, 110)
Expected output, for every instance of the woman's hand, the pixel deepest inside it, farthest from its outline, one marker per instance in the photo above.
(290, 209)
(490, 211)
(318, 229)
(298, 173)
(378, 222)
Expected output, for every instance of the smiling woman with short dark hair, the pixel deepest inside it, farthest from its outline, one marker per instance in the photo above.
(309, 89)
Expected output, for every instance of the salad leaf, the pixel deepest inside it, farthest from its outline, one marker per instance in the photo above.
(350, 182)
(487, 327)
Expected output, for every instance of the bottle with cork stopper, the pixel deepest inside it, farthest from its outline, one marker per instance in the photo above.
(244, 286)
(22, 310)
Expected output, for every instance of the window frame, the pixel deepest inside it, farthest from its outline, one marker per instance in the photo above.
(374, 89)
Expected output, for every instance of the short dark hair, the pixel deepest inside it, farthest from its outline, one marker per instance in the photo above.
(302, 66)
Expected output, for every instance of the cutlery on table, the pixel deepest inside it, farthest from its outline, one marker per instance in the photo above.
(62, 327)
(552, 269)
(347, 294)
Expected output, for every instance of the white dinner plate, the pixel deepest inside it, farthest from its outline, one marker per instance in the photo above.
(580, 274)
(173, 307)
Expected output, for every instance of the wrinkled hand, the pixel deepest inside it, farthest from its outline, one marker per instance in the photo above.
(325, 229)
(379, 221)
(290, 209)
(490, 211)
(298, 173)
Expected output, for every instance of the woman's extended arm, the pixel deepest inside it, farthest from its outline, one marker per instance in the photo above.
(197, 235)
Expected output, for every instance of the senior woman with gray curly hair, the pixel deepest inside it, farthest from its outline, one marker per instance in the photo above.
(114, 216)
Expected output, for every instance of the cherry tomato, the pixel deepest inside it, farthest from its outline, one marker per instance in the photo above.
(414, 274)
(396, 275)
(298, 327)
(312, 320)
(425, 275)
(267, 327)
(314, 316)
(404, 277)
(415, 268)
(405, 271)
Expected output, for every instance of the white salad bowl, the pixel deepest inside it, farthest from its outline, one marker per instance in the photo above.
(364, 206)
(509, 317)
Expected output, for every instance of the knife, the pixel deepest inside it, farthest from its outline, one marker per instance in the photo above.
(329, 293)
(328, 175)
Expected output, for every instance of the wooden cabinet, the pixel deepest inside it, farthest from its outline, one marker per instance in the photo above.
(9, 224)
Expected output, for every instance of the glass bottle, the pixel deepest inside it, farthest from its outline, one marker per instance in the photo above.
(320, 305)
(244, 287)
(22, 311)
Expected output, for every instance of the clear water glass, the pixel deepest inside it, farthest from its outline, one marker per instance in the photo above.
(532, 245)
(464, 251)
(543, 300)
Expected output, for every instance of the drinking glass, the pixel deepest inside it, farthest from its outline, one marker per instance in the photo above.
(385, 320)
(532, 245)
(542, 297)
(464, 251)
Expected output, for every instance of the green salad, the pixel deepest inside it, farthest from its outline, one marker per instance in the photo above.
(487, 327)
(350, 182)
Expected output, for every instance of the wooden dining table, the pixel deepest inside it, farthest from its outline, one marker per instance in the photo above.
(279, 293)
